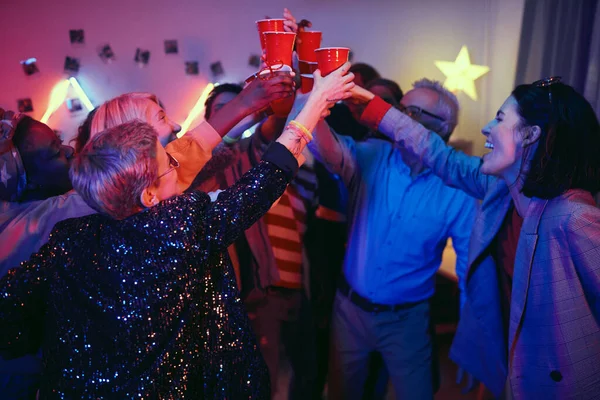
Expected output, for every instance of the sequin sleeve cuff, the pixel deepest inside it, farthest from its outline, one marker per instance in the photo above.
(279, 155)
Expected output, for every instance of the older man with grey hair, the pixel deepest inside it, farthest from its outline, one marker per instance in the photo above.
(401, 217)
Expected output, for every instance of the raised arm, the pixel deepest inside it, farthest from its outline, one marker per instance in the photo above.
(454, 167)
(242, 204)
(194, 149)
(337, 153)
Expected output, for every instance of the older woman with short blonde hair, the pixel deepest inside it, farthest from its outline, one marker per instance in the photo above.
(131, 106)
(158, 313)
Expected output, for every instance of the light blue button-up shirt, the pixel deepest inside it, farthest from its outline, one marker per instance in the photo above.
(399, 225)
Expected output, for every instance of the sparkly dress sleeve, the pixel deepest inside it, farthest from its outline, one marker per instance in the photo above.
(23, 292)
(245, 202)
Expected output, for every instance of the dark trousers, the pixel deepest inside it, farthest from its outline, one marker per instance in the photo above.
(283, 317)
(403, 338)
(325, 246)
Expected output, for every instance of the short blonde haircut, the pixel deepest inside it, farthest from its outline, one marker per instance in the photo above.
(447, 106)
(115, 167)
(125, 108)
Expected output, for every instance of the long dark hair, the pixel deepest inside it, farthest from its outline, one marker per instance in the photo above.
(567, 156)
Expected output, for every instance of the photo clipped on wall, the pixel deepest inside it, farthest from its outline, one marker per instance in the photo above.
(254, 61)
(191, 68)
(24, 105)
(171, 47)
(30, 66)
(217, 69)
(71, 65)
(76, 36)
(142, 57)
(106, 53)
(74, 105)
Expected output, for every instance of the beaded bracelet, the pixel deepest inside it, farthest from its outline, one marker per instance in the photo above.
(299, 132)
(302, 128)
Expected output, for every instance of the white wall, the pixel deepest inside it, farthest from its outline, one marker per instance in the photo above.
(401, 38)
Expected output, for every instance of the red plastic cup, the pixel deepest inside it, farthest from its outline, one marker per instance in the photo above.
(307, 81)
(308, 42)
(307, 67)
(281, 107)
(268, 25)
(331, 58)
(279, 47)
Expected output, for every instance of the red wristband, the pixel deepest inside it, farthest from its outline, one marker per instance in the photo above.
(374, 113)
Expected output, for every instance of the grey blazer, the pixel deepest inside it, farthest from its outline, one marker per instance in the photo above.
(553, 349)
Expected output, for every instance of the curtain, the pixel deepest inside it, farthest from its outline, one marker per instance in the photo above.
(556, 38)
(592, 83)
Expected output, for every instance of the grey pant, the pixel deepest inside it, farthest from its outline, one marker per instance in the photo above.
(403, 338)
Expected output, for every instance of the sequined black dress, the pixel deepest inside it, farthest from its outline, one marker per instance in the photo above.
(146, 307)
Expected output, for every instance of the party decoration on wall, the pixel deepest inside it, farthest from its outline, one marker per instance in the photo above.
(59, 94)
(142, 57)
(57, 97)
(71, 65)
(196, 110)
(24, 105)
(76, 36)
(217, 69)
(106, 53)
(191, 68)
(254, 61)
(30, 66)
(171, 47)
(461, 74)
(82, 96)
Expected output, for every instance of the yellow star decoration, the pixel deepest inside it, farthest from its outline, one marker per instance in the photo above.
(461, 74)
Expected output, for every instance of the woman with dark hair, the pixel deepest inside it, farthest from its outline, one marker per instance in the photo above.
(530, 325)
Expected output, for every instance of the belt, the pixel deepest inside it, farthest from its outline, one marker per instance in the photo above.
(366, 304)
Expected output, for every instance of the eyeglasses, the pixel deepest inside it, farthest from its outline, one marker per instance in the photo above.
(415, 112)
(174, 164)
(547, 82)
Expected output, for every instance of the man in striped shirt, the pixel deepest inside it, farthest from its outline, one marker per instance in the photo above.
(272, 265)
